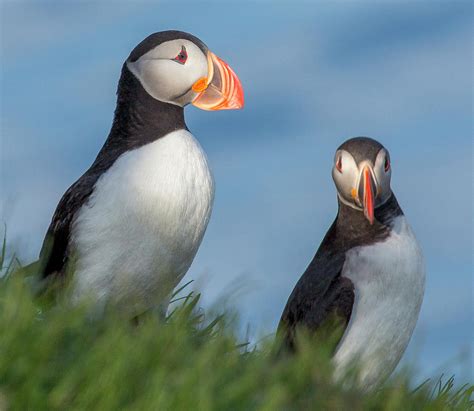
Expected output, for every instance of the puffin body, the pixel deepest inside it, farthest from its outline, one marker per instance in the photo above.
(129, 228)
(368, 274)
(388, 280)
(144, 222)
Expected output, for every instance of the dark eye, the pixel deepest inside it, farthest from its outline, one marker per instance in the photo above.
(386, 164)
(182, 56)
(339, 164)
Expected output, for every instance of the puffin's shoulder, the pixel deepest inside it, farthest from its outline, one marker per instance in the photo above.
(321, 293)
(53, 254)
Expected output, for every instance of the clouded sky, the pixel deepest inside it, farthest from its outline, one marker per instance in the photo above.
(314, 74)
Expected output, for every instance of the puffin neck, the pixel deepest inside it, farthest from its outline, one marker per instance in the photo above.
(353, 221)
(140, 119)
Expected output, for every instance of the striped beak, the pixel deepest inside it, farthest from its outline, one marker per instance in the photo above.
(221, 90)
(367, 191)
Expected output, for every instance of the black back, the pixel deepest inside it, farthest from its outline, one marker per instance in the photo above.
(322, 293)
(139, 119)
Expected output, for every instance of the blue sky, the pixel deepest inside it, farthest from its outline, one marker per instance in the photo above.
(314, 74)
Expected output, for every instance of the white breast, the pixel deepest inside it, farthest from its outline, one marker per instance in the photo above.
(142, 226)
(389, 279)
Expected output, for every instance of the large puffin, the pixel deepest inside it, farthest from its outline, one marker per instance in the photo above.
(129, 228)
(368, 273)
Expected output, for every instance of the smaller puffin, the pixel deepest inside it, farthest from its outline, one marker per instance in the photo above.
(368, 273)
(128, 229)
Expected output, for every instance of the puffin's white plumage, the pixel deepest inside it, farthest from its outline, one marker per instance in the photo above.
(389, 282)
(143, 224)
(368, 274)
(132, 223)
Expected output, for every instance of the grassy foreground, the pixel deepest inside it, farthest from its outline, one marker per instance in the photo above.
(57, 357)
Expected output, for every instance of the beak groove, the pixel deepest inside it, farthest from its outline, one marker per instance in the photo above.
(223, 90)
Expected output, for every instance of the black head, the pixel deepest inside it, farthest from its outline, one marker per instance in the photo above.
(177, 68)
(362, 148)
(362, 173)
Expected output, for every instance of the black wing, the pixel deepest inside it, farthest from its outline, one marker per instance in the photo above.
(322, 293)
(55, 249)
(321, 297)
(54, 252)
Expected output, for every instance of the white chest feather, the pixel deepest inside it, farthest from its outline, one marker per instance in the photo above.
(389, 279)
(141, 228)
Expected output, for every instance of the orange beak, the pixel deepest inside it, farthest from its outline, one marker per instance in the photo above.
(221, 90)
(368, 199)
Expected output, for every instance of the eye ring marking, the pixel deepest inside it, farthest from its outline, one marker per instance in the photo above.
(182, 56)
(339, 164)
(386, 164)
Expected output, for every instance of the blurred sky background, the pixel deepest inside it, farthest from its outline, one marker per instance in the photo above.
(314, 74)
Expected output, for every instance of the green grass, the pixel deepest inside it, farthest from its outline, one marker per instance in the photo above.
(58, 357)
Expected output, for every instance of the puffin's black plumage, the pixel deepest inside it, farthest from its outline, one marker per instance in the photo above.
(139, 119)
(362, 148)
(129, 228)
(322, 293)
(363, 290)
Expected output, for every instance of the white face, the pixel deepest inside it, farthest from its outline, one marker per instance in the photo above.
(169, 71)
(347, 176)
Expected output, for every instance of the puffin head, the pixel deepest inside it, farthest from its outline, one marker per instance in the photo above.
(177, 68)
(362, 174)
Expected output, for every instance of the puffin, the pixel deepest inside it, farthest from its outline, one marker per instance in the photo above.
(127, 230)
(365, 285)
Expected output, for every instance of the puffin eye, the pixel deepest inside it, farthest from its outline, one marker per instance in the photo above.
(182, 56)
(339, 164)
(386, 164)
